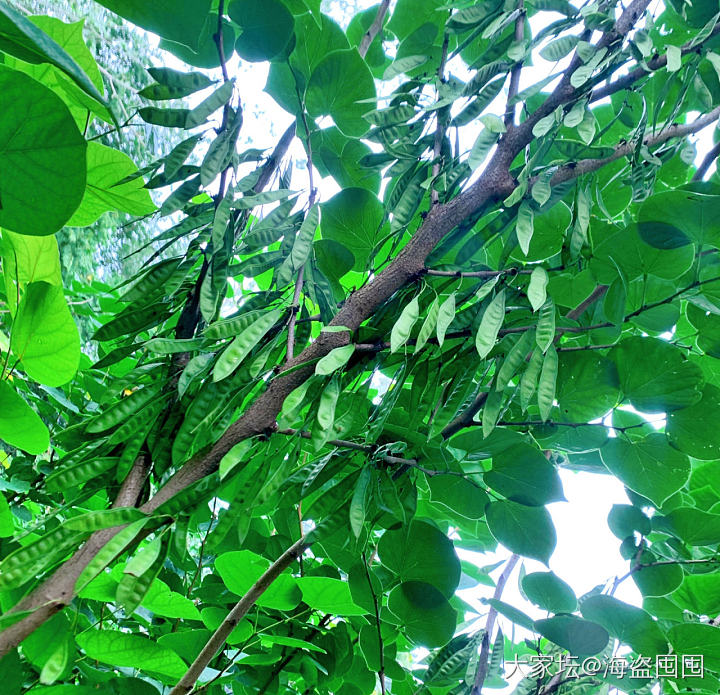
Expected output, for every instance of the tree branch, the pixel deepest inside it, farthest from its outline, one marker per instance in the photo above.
(706, 163)
(677, 130)
(656, 63)
(58, 590)
(375, 28)
(239, 611)
(483, 661)
(441, 116)
(514, 86)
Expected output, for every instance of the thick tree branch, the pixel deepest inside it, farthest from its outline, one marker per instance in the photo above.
(375, 28)
(239, 611)
(59, 589)
(483, 662)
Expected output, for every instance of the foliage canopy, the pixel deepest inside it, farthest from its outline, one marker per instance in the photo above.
(305, 409)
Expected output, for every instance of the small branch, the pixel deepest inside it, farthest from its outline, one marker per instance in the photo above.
(376, 607)
(706, 163)
(483, 661)
(656, 63)
(441, 116)
(586, 166)
(218, 38)
(477, 273)
(514, 86)
(239, 611)
(466, 417)
(375, 28)
(294, 309)
(659, 563)
(366, 448)
(597, 294)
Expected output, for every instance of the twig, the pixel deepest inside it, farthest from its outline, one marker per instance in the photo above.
(706, 163)
(376, 608)
(239, 611)
(655, 63)
(366, 448)
(441, 116)
(598, 293)
(483, 661)
(586, 166)
(375, 28)
(514, 85)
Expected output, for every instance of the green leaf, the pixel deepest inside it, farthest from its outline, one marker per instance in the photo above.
(46, 187)
(672, 219)
(421, 552)
(353, 218)
(694, 638)
(692, 428)
(177, 22)
(580, 637)
(693, 526)
(546, 385)
(302, 246)
(207, 107)
(549, 592)
(649, 466)
(104, 518)
(424, 613)
(106, 167)
(699, 593)
(490, 325)
(266, 28)
(403, 326)
(545, 333)
(337, 86)
(429, 325)
(241, 345)
(459, 494)
(559, 48)
(655, 376)
(173, 84)
(446, 314)
(242, 568)
(527, 531)
(44, 337)
(537, 289)
(202, 52)
(480, 149)
(629, 624)
(134, 651)
(358, 503)
(328, 595)
(21, 38)
(334, 360)
(587, 386)
(514, 359)
(524, 231)
(522, 474)
(28, 259)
